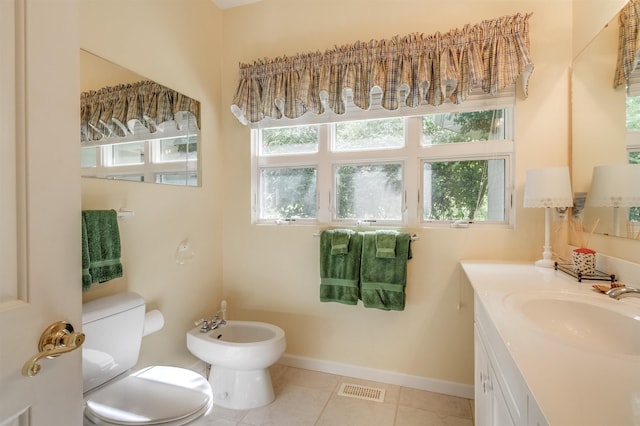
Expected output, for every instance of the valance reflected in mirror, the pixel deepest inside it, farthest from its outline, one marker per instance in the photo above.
(135, 129)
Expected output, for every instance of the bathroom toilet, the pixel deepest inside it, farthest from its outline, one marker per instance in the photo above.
(113, 395)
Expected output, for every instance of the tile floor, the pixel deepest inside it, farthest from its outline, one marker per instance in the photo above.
(310, 398)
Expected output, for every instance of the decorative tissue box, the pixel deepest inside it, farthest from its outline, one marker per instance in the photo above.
(584, 261)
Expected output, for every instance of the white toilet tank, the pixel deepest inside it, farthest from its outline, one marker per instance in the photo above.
(113, 328)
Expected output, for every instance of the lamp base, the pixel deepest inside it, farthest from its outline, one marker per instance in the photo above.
(545, 263)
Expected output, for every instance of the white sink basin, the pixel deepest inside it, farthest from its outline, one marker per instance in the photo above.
(592, 322)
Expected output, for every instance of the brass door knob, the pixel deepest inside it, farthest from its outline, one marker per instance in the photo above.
(59, 338)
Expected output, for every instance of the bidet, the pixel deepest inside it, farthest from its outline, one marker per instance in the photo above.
(240, 353)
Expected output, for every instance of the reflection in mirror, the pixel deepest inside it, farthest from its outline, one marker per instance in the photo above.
(135, 129)
(616, 187)
(599, 135)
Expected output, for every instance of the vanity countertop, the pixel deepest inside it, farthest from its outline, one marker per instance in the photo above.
(572, 384)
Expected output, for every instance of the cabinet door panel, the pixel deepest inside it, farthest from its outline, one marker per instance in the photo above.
(501, 415)
(482, 402)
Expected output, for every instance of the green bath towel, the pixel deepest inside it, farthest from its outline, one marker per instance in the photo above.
(383, 280)
(100, 247)
(340, 273)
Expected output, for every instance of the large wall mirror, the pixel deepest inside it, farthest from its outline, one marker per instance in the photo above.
(135, 129)
(599, 129)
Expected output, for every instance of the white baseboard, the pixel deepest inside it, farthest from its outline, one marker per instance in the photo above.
(383, 376)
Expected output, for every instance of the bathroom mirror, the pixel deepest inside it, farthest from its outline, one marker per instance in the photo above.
(135, 129)
(599, 134)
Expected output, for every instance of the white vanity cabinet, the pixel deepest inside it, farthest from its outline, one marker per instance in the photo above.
(501, 394)
(525, 347)
(490, 404)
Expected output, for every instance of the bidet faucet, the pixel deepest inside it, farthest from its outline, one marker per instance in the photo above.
(621, 292)
(216, 322)
(204, 323)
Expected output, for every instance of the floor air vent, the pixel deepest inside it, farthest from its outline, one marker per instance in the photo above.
(361, 392)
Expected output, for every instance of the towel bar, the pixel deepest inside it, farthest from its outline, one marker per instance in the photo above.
(414, 237)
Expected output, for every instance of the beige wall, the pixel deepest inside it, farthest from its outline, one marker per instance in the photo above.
(589, 18)
(271, 273)
(177, 44)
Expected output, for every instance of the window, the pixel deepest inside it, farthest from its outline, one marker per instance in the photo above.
(171, 160)
(633, 141)
(369, 192)
(464, 189)
(428, 169)
(288, 192)
(369, 135)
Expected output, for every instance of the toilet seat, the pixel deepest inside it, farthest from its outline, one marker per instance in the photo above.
(159, 395)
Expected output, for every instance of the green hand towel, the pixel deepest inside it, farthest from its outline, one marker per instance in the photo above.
(102, 239)
(386, 244)
(383, 280)
(340, 274)
(340, 241)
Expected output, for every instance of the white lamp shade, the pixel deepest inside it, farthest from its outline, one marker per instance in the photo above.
(548, 187)
(615, 186)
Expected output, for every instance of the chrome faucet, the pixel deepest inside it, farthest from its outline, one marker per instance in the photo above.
(216, 322)
(622, 292)
(204, 323)
(211, 324)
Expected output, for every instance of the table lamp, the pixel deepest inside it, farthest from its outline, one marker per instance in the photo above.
(548, 187)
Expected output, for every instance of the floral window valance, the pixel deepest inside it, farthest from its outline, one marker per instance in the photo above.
(410, 71)
(117, 111)
(628, 43)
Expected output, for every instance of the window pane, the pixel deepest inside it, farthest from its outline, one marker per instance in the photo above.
(288, 193)
(473, 190)
(634, 212)
(463, 127)
(290, 140)
(178, 178)
(127, 153)
(88, 156)
(371, 191)
(633, 112)
(178, 149)
(370, 134)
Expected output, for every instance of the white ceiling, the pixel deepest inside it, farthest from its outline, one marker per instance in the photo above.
(228, 4)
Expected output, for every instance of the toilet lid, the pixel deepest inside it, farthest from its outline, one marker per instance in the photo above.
(152, 396)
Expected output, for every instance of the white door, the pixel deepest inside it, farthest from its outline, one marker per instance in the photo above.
(40, 263)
